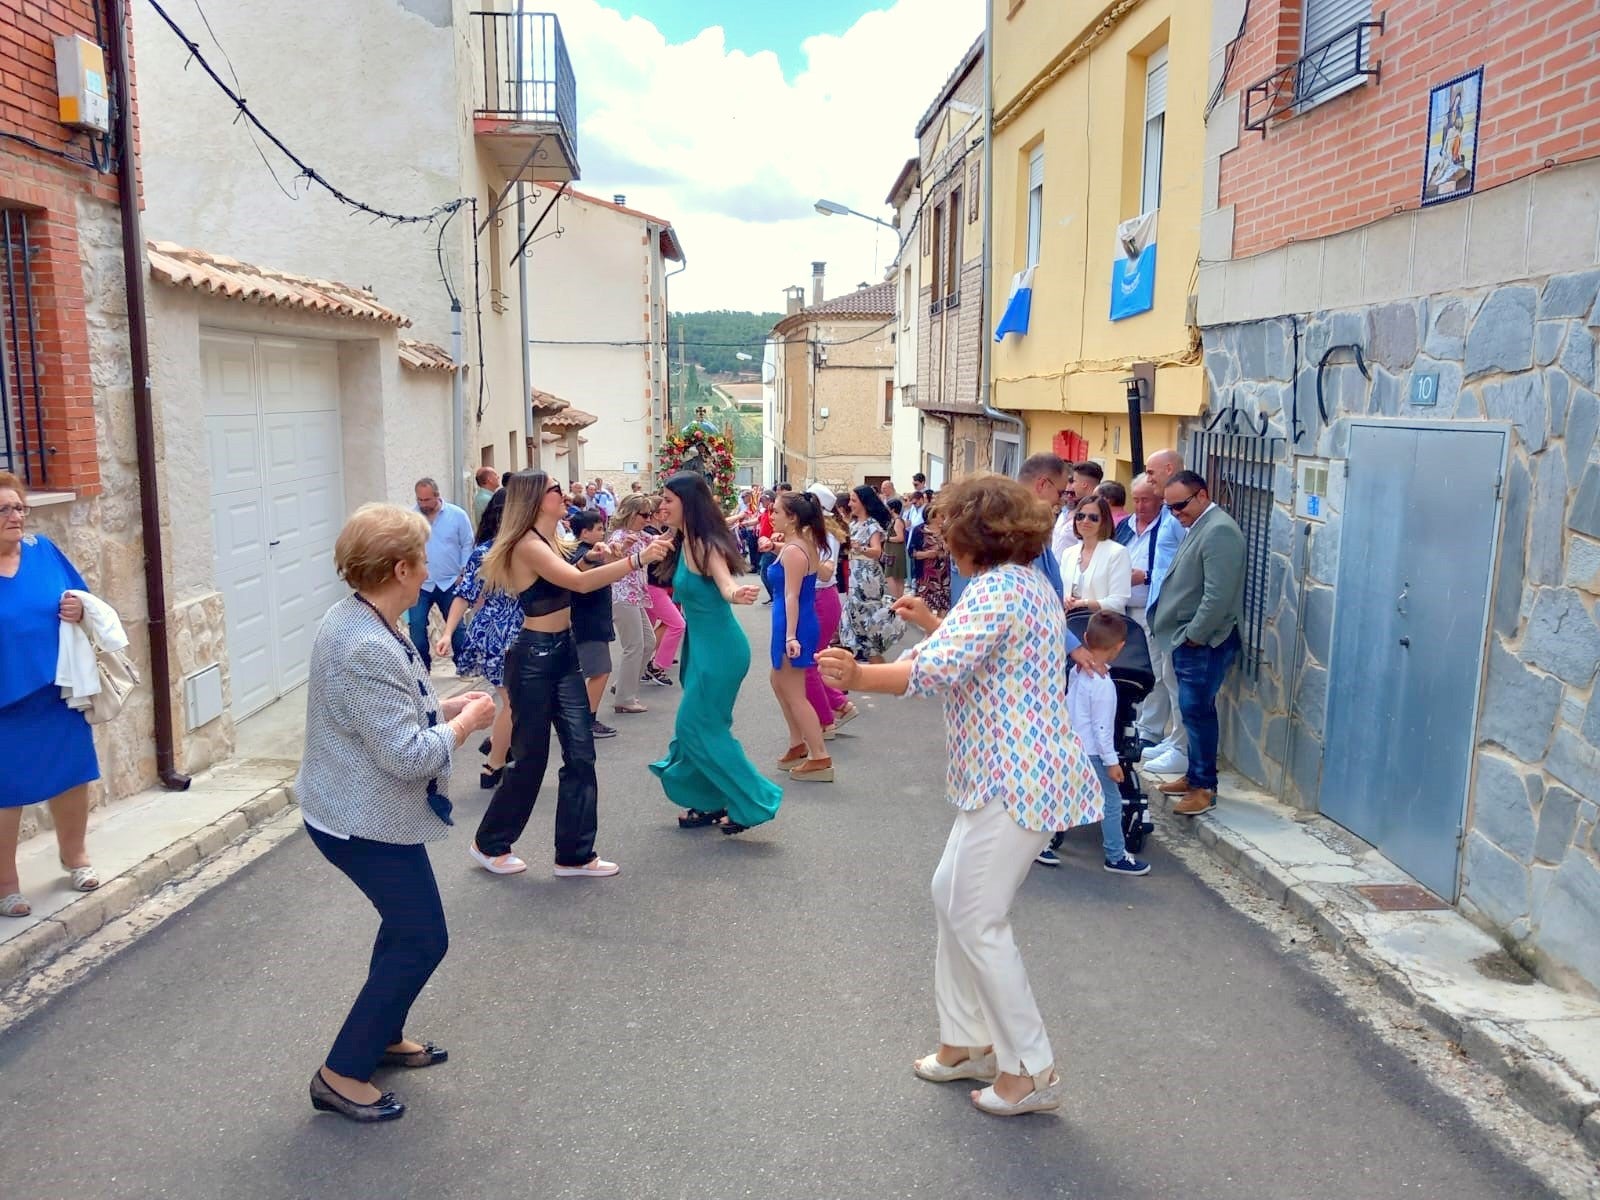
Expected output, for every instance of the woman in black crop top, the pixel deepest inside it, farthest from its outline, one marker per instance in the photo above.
(545, 685)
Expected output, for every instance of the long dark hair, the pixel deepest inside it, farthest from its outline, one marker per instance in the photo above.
(806, 510)
(524, 493)
(873, 503)
(489, 523)
(705, 529)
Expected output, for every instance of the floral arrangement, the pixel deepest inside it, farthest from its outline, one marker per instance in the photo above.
(714, 452)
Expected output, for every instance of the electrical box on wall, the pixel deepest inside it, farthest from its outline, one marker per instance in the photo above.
(81, 84)
(202, 697)
(1311, 489)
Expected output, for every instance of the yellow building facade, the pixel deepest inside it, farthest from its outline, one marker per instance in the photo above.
(1099, 118)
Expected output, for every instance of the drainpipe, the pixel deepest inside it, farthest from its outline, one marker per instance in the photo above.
(985, 358)
(666, 338)
(458, 414)
(133, 264)
(529, 432)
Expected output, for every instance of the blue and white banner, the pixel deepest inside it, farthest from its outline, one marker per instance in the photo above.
(1019, 308)
(1133, 284)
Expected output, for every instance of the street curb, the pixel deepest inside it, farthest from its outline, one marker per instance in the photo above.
(1539, 1082)
(116, 897)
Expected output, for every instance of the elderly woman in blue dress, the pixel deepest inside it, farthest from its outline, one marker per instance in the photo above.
(379, 746)
(60, 763)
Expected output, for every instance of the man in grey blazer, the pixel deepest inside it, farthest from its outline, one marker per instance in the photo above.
(1196, 618)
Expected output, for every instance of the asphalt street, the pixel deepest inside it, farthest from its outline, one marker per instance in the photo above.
(729, 1017)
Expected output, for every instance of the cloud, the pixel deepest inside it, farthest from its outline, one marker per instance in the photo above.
(720, 143)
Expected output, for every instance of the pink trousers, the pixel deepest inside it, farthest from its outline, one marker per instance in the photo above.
(663, 610)
(826, 700)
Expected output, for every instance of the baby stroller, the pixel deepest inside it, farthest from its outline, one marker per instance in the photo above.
(1134, 677)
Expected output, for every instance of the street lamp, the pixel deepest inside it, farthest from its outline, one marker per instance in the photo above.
(832, 208)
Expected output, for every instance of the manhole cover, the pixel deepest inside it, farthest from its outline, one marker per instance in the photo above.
(1400, 897)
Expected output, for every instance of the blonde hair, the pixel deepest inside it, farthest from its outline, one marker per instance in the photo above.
(376, 539)
(637, 505)
(525, 493)
(10, 483)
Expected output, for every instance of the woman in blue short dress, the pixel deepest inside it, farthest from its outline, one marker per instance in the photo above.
(792, 580)
(60, 762)
(496, 619)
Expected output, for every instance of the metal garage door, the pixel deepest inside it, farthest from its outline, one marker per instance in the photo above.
(277, 502)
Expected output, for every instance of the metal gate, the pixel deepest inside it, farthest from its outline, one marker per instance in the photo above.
(1237, 461)
(1411, 611)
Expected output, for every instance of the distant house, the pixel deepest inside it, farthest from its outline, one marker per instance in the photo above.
(834, 385)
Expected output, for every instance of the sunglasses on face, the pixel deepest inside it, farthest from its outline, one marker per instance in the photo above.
(1087, 516)
(556, 488)
(1182, 504)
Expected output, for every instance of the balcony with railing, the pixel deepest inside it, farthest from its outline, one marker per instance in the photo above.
(526, 111)
(1344, 61)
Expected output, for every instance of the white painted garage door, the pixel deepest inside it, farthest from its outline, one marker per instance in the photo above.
(277, 502)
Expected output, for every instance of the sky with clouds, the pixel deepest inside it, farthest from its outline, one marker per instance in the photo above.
(730, 118)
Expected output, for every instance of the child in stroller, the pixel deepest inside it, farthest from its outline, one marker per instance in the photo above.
(1133, 677)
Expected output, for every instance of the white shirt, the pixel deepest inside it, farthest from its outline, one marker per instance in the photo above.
(1065, 537)
(1139, 556)
(1092, 709)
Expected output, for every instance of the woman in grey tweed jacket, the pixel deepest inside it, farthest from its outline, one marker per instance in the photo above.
(370, 792)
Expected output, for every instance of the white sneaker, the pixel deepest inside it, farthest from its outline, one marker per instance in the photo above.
(1170, 761)
(596, 868)
(500, 864)
(1155, 750)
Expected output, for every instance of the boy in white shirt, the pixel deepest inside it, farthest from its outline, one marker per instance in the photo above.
(1092, 707)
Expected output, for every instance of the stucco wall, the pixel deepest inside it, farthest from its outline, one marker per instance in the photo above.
(1075, 357)
(593, 284)
(346, 99)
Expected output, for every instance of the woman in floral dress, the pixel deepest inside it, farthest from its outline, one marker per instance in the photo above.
(935, 563)
(869, 627)
(496, 618)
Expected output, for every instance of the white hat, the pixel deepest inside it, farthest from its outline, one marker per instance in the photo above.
(824, 495)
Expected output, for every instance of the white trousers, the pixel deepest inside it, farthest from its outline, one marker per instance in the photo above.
(979, 983)
(1159, 707)
(633, 633)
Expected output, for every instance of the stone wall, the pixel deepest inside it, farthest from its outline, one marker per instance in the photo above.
(1523, 354)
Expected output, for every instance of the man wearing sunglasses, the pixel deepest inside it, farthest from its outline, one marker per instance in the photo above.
(1196, 618)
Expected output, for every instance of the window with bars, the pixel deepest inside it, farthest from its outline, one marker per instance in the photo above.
(21, 368)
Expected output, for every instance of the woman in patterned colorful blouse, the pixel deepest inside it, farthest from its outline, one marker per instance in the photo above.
(1016, 772)
(630, 603)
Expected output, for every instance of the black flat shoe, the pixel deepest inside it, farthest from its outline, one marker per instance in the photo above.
(325, 1099)
(694, 819)
(429, 1056)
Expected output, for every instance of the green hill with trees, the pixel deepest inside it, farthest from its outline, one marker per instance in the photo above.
(714, 339)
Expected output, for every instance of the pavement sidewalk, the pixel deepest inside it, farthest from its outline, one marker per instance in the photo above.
(142, 842)
(1544, 1042)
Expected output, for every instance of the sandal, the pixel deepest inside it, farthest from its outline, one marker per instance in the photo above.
(1046, 1095)
(15, 905)
(846, 714)
(84, 878)
(694, 819)
(791, 756)
(974, 1066)
(629, 708)
(489, 777)
(731, 827)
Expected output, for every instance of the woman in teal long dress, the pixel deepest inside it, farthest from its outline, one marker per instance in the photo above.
(706, 772)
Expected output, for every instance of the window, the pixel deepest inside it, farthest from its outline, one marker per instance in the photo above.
(486, 456)
(1155, 125)
(952, 268)
(1325, 21)
(22, 446)
(1006, 454)
(936, 276)
(908, 301)
(888, 402)
(1035, 204)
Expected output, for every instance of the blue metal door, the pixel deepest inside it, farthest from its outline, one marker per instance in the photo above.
(1421, 512)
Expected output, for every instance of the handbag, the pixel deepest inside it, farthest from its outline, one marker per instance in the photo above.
(118, 678)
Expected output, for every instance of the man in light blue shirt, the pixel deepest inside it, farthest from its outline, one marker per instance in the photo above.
(1169, 756)
(449, 547)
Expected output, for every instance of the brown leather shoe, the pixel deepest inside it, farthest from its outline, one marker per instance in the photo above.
(813, 770)
(1176, 787)
(1198, 800)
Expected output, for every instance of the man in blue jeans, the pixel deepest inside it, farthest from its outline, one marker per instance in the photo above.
(1197, 617)
(449, 547)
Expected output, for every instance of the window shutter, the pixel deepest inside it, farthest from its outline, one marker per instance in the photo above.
(1155, 86)
(1326, 19)
(1036, 169)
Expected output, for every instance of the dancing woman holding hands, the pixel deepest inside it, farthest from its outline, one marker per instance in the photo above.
(796, 632)
(869, 625)
(706, 771)
(544, 681)
(1017, 773)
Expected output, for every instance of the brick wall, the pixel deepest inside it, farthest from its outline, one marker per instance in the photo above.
(49, 190)
(1359, 156)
